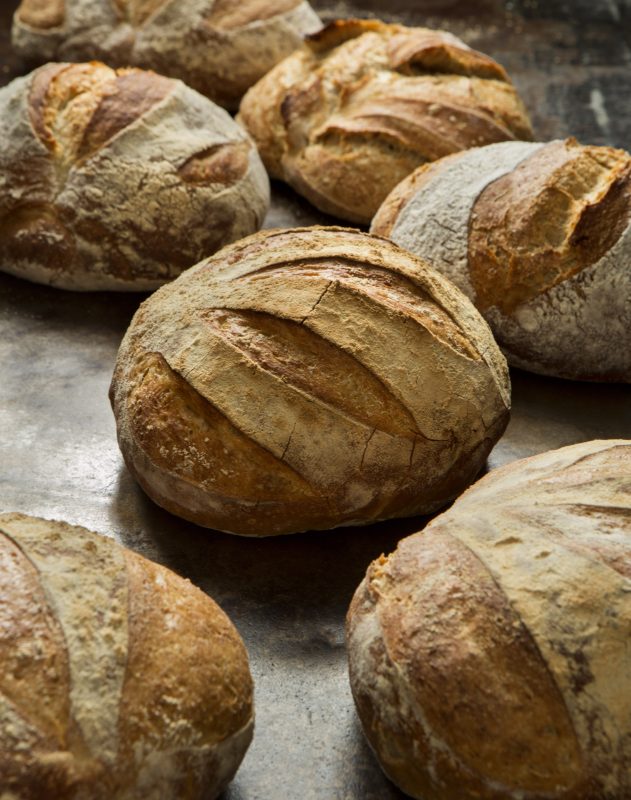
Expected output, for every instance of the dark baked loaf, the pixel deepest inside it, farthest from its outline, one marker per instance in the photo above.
(119, 179)
(218, 47)
(538, 236)
(363, 104)
(119, 680)
(307, 379)
(490, 655)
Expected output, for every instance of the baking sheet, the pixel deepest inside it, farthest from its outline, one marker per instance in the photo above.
(288, 596)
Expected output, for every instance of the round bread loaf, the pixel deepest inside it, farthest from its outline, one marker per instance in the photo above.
(539, 237)
(119, 680)
(489, 655)
(119, 179)
(307, 379)
(218, 47)
(363, 104)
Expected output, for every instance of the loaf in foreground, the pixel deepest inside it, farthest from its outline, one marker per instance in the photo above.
(489, 655)
(362, 104)
(119, 680)
(119, 179)
(539, 237)
(218, 47)
(307, 379)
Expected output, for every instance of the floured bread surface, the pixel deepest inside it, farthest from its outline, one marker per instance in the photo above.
(489, 655)
(363, 104)
(119, 179)
(218, 47)
(307, 379)
(539, 237)
(119, 680)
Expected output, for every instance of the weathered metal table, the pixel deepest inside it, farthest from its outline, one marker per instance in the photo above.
(288, 597)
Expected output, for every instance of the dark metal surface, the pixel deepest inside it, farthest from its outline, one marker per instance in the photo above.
(288, 597)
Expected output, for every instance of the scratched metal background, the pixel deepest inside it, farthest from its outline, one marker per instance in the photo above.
(288, 597)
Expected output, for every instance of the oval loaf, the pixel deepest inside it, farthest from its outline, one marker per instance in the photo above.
(119, 179)
(218, 47)
(538, 236)
(489, 655)
(306, 379)
(119, 680)
(363, 104)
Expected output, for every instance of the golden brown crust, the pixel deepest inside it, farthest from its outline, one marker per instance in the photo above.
(477, 650)
(364, 103)
(558, 213)
(226, 14)
(169, 716)
(276, 387)
(42, 13)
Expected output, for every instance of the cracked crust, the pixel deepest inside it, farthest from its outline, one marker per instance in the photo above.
(97, 160)
(217, 47)
(90, 709)
(539, 237)
(489, 654)
(307, 379)
(363, 104)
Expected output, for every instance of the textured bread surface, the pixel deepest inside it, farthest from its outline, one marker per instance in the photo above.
(489, 655)
(307, 379)
(119, 679)
(363, 104)
(539, 237)
(119, 179)
(218, 47)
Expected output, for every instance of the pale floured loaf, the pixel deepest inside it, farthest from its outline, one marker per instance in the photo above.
(307, 379)
(363, 104)
(119, 680)
(119, 179)
(218, 47)
(490, 655)
(539, 237)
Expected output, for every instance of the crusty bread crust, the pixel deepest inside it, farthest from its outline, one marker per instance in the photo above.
(539, 237)
(217, 47)
(307, 379)
(363, 104)
(489, 655)
(119, 179)
(90, 707)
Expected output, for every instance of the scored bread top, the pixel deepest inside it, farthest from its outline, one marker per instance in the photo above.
(363, 104)
(218, 47)
(119, 679)
(493, 646)
(539, 237)
(306, 379)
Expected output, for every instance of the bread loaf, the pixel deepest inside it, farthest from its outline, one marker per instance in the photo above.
(489, 655)
(118, 680)
(119, 179)
(363, 104)
(307, 379)
(218, 47)
(539, 237)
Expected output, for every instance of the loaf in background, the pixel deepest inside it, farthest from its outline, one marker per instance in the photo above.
(119, 680)
(538, 236)
(218, 47)
(489, 655)
(362, 104)
(119, 179)
(307, 379)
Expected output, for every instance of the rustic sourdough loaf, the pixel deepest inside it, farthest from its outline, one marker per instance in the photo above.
(218, 47)
(119, 680)
(119, 179)
(307, 379)
(363, 104)
(489, 655)
(539, 237)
